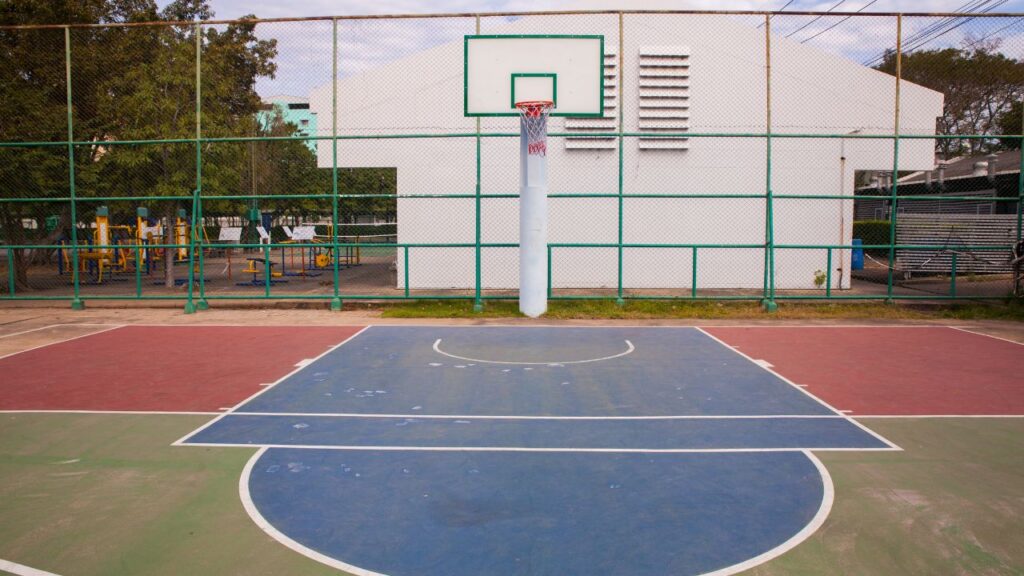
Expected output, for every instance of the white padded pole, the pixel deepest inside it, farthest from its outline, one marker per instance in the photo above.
(533, 228)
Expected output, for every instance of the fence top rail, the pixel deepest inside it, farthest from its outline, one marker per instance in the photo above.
(505, 14)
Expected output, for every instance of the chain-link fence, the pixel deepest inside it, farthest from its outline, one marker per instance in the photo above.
(760, 156)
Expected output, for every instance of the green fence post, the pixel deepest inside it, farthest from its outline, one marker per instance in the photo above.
(10, 272)
(76, 301)
(893, 200)
(619, 299)
(197, 226)
(952, 278)
(335, 225)
(549, 271)
(768, 302)
(693, 272)
(190, 306)
(138, 271)
(478, 303)
(266, 269)
(405, 266)
(828, 274)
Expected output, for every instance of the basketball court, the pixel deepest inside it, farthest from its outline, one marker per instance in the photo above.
(439, 449)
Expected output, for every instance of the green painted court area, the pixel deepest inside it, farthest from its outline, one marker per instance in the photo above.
(107, 494)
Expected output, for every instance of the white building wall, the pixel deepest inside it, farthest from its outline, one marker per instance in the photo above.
(812, 92)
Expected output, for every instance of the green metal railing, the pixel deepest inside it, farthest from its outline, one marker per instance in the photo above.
(197, 296)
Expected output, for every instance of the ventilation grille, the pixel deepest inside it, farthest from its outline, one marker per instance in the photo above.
(664, 96)
(609, 122)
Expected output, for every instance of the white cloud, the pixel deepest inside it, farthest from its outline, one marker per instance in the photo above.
(305, 48)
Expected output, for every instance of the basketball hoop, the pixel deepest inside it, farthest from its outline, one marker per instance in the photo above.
(534, 114)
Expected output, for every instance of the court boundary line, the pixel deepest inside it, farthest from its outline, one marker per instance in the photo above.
(270, 530)
(909, 416)
(264, 389)
(629, 350)
(827, 499)
(22, 570)
(986, 335)
(518, 417)
(127, 412)
(802, 389)
(500, 417)
(111, 328)
(387, 448)
(27, 331)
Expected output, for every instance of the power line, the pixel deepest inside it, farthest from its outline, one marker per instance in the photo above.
(816, 19)
(837, 23)
(942, 27)
(990, 34)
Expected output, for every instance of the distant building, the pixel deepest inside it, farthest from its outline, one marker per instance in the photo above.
(985, 177)
(295, 110)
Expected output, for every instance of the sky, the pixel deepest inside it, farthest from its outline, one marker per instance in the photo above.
(305, 48)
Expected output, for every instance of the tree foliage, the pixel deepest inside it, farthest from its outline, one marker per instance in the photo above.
(980, 85)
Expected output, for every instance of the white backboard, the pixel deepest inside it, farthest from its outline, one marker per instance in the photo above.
(502, 70)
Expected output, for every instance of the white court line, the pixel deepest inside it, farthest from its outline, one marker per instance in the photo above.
(912, 416)
(533, 449)
(143, 412)
(629, 349)
(27, 331)
(113, 327)
(827, 498)
(270, 530)
(805, 391)
(263, 389)
(504, 417)
(22, 570)
(986, 335)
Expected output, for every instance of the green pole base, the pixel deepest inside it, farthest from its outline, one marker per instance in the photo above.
(769, 305)
(620, 302)
(336, 304)
(190, 308)
(478, 306)
(203, 305)
(77, 304)
(889, 302)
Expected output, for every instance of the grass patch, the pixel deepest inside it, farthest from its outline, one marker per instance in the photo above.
(648, 309)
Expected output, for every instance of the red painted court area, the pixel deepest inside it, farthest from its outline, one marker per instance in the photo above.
(159, 368)
(892, 371)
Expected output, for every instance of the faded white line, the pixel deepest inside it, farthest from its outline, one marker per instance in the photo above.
(986, 335)
(114, 327)
(629, 350)
(28, 331)
(22, 570)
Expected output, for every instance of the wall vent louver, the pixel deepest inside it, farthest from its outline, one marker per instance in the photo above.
(663, 76)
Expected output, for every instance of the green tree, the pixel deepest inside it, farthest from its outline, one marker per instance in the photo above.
(1010, 123)
(979, 83)
(129, 84)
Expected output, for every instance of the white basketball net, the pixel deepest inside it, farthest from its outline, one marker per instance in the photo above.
(535, 119)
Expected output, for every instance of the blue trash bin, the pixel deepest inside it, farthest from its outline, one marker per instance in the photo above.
(857, 257)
